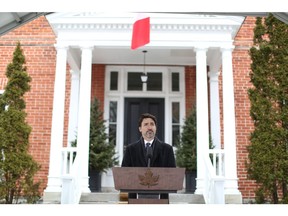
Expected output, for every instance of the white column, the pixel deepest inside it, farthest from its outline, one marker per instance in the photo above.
(84, 114)
(73, 109)
(214, 109)
(231, 183)
(54, 181)
(202, 115)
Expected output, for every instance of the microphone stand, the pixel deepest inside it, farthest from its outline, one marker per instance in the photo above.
(149, 156)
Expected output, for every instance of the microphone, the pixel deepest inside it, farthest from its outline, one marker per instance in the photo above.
(149, 154)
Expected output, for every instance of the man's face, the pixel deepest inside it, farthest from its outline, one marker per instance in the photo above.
(148, 129)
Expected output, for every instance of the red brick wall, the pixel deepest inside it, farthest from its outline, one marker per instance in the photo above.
(190, 87)
(244, 124)
(98, 83)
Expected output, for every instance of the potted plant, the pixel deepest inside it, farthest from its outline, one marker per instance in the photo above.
(186, 153)
(102, 154)
(101, 150)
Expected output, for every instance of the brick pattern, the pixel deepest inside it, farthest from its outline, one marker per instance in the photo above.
(37, 40)
(244, 124)
(98, 83)
(190, 87)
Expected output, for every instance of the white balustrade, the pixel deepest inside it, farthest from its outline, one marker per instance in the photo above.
(214, 178)
(71, 176)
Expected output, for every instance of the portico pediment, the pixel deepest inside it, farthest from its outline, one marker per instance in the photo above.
(111, 33)
(160, 22)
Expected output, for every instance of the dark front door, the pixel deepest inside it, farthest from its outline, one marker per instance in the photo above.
(134, 107)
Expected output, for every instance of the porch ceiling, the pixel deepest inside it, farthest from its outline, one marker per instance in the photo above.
(154, 56)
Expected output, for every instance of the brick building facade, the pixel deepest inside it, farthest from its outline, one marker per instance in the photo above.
(38, 39)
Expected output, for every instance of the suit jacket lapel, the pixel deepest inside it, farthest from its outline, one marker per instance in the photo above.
(156, 150)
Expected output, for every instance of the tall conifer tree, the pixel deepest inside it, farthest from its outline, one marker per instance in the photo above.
(186, 153)
(17, 167)
(102, 151)
(268, 151)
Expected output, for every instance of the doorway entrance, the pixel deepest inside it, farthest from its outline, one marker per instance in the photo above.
(134, 107)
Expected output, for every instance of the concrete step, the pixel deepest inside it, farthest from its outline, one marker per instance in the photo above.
(122, 198)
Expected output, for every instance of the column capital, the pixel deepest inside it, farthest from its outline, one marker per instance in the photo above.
(74, 74)
(227, 48)
(200, 48)
(213, 75)
(86, 47)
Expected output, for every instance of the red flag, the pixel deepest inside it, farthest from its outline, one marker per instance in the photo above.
(141, 32)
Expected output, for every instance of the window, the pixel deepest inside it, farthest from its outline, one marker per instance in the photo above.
(113, 80)
(134, 81)
(175, 82)
(175, 122)
(154, 82)
(113, 121)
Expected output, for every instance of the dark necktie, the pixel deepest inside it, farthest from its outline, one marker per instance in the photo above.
(147, 145)
(149, 153)
(149, 150)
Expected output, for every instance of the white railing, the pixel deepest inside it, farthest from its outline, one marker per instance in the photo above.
(214, 178)
(71, 176)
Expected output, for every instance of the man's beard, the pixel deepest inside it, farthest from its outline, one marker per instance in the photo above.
(150, 133)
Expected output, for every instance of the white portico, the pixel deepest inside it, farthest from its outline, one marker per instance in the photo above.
(179, 40)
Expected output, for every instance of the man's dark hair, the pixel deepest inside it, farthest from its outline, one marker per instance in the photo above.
(146, 115)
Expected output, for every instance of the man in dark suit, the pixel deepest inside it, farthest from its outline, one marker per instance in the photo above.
(136, 153)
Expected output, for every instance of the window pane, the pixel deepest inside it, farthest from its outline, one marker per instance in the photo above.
(134, 81)
(112, 121)
(114, 80)
(113, 111)
(175, 112)
(175, 81)
(175, 122)
(154, 82)
(175, 134)
(112, 133)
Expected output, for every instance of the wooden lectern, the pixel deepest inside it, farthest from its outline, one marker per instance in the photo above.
(148, 183)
